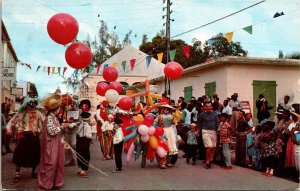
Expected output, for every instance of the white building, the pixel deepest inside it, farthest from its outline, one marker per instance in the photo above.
(246, 76)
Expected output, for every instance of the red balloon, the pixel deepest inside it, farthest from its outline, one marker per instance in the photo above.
(125, 103)
(110, 74)
(116, 86)
(62, 28)
(149, 120)
(101, 88)
(173, 70)
(159, 131)
(78, 55)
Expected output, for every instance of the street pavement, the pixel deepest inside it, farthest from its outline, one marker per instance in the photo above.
(180, 177)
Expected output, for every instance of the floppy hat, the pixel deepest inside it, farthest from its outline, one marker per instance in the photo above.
(52, 102)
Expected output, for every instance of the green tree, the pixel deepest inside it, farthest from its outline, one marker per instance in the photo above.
(293, 55)
(280, 55)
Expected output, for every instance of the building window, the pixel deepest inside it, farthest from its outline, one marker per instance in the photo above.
(188, 92)
(210, 88)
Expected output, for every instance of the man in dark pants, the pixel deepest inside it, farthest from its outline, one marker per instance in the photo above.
(118, 144)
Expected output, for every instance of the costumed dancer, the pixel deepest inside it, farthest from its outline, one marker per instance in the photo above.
(104, 129)
(165, 121)
(51, 167)
(84, 138)
(28, 122)
(118, 144)
(71, 117)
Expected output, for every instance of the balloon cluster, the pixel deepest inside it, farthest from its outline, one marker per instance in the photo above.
(149, 137)
(63, 29)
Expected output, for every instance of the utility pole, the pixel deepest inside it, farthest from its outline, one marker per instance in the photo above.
(168, 19)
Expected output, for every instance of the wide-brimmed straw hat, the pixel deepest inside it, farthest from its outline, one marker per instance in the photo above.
(295, 114)
(167, 106)
(52, 102)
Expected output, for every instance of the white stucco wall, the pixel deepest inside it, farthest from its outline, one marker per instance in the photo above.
(197, 80)
(240, 79)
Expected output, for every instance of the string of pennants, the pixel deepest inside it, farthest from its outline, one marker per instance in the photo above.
(186, 49)
(132, 62)
(48, 69)
(248, 29)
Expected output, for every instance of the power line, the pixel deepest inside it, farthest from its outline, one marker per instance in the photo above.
(218, 19)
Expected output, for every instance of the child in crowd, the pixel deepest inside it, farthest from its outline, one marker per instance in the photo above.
(192, 142)
(83, 141)
(225, 139)
(118, 144)
(257, 162)
(250, 147)
(269, 152)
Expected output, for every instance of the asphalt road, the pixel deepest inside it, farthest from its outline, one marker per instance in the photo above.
(181, 177)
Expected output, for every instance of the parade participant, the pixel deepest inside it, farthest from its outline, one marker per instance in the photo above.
(192, 142)
(257, 156)
(227, 109)
(242, 130)
(286, 105)
(51, 167)
(83, 142)
(262, 108)
(5, 139)
(69, 116)
(225, 139)
(208, 121)
(104, 134)
(118, 144)
(236, 106)
(165, 120)
(28, 122)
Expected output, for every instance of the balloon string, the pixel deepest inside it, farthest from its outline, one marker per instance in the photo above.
(84, 161)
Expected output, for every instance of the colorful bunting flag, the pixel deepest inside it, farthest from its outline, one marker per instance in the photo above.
(98, 68)
(248, 29)
(48, 71)
(211, 41)
(105, 66)
(114, 65)
(228, 36)
(58, 70)
(186, 50)
(132, 63)
(38, 68)
(65, 69)
(159, 57)
(172, 54)
(148, 61)
(53, 70)
(124, 65)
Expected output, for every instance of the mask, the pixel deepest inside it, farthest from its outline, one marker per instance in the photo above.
(85, 108)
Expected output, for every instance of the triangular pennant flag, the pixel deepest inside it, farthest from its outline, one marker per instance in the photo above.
(132, 63)
(105, 66)
(98, 68)
(53, 70)
(124, 65)
(65, 69)
(48, 71)
(248, 29)
(76, 72)
(159, 57)
(228, 36)
(58, 70)
(38, 68)
(186, 50)
(211, 41)
(172, 54)
(148, 60)
(114, 65)
(44, 69)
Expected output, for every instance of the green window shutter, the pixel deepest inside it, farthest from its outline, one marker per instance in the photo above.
(188, 92)
(268, 88)
(210, 88)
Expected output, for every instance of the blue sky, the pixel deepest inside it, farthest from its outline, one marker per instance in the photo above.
(26, 22)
